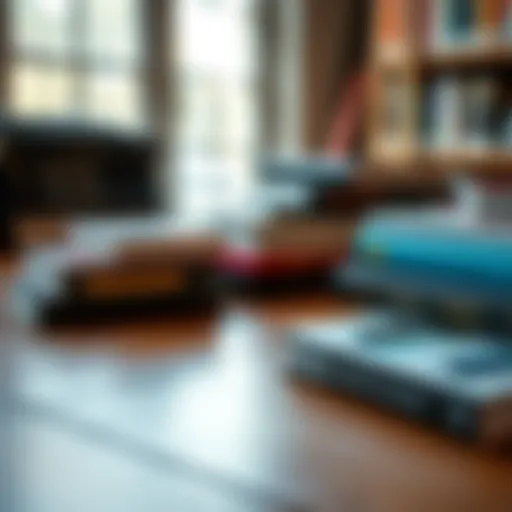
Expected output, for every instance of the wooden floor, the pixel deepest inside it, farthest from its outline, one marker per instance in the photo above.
(214, 425)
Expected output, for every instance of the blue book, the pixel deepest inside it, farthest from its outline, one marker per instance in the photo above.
(459, 20)
(432, 258)
(458, 383)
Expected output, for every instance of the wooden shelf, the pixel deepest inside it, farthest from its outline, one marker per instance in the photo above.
(466, 159)
(477, 56)
(407, 65)
(441, 162)
(471, 57)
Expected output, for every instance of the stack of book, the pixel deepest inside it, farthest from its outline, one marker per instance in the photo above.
(171, 274)
(434, 256)
(439, 350)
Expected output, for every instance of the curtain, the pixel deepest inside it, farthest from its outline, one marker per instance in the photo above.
(159, 36)
(332, 46)
(335, 39)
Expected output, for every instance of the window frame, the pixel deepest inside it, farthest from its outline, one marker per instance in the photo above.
(79, 63)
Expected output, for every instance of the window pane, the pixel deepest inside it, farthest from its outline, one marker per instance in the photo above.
(41, 25)
(114, 99)
(216, 121)
(112, 29)
(41, 91)
(200, 113)
(215, 35)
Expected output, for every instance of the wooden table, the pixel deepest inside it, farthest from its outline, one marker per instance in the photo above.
(241, 436)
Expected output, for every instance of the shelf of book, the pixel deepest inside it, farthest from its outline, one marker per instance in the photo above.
(447, 85)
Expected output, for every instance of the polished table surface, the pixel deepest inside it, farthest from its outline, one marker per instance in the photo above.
(240, 436)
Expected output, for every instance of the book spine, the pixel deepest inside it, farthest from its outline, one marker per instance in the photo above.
(428, 92)
(506, 19)
(501, 115)
(489, 17)
(363, 381)
(500, 124)
(463, 20)
(447, 112)
(479, 97)
(391, 26)
(456, 20)
(454, 415)
(423, 11)
(437, 28)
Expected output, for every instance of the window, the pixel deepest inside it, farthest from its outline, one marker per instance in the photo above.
(77, 59)
(217, 72)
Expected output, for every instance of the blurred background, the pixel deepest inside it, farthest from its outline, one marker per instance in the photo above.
(211, 85)
(183, 183)
(205, 93)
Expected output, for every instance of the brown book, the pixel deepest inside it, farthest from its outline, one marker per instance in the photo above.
(306, 237)
(199, 249)
(490, 17)
(111, 284)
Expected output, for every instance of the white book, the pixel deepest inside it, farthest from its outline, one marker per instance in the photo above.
(438, 36)
(448, 113)
(482, 205)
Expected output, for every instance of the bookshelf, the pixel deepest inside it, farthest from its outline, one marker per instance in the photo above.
(441, 86)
